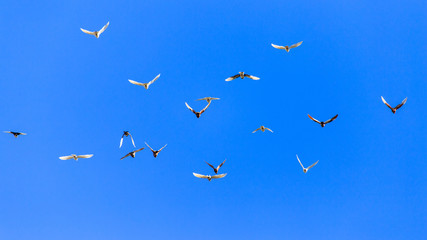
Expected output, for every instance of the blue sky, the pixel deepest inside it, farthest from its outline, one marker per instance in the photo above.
(69, 92)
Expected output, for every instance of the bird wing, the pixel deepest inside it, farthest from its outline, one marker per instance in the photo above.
(313, 118)
(88, 32)
(103, 28)
(149, 146)
(219, 176)
(127, 155)
(269, 129)
(138, 150)
(157, 77)
(204, 109)
(200, 175)
(332, 119)
(85, 156)
(295, 45)
(66, 157)
(22, 133)
(205, 98)
(131, 138)
(219, 166)
(251, 77)
(232, 77)
(401, 104)
(312, 165)
(388, 105)
(136, 83)
(256, 130)
(210, 165)
(278, 47)
(162, 148)
(300, 162)
(7, 131)
(121, 141)
(189, 108)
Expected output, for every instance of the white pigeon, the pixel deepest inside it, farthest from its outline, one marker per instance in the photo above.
(209, 177)
(287, 48)
(146, 85)
(75, 157)
(96, 33)
(306, 169)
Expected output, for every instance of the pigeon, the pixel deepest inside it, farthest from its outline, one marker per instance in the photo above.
(96, 33)
(132, 154)
(126, 134)
(155, 153)
(208, 99)
(397, 107)
(241, 75)
(325, 122)
(262, 128)
(306, 169)
(15, 134)
(287, 48)
(198, 113)
(217, 168)
(209, 177)
(146, 85)
(75, 157)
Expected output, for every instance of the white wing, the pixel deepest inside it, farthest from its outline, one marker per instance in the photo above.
(295, 45)
(131, 138)
(66, 157)
(200, 175)
(219, 175)
(277, 46)
(157, 77)
(103, 28)
(121, 142)
(136, 83)
(149, 146)
(300, 162)
(269, 129)
(162, 147)
(85, 156)
(188, 106)
(7, 131)
(88, 32)
(256, 130)
(314, 164)
(252, 77)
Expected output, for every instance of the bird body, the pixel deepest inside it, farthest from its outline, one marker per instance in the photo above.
(393, 110)
(322, 124)
(96, 33)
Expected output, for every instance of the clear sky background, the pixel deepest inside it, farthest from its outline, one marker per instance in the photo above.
(69, 92)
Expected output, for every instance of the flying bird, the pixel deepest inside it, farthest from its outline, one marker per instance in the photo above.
(132, 154)
(325, 122)
(209, 177)
(306, 169)
(96, 33)
(217, 168)
(126, 134)
(198, 113)
(155, 153)
(15, 134)
(262, 128)
(146, 85)
(397, 107)
(75, 157)
(287, 48)
(241, 75)
(208, 99)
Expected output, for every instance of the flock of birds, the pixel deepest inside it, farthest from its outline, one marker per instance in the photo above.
(209, 100)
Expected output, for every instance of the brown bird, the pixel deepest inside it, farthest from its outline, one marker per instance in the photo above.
(198, 113)
(155, 153)
(132, 154)
(262, 128)
(217, 168)
(241, 75)
(287, 48)
(15, 134)
(397, 107)
(209, 177)
(325, 122)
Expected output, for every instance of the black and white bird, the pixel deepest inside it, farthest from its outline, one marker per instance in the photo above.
(395, 108)
(15, 134)
(126, 134)
(209, 177)
(145, 85)
(287, 48)
(305, 170)
(96, 33)
(241, 75)
(132, 154)
(322, 124)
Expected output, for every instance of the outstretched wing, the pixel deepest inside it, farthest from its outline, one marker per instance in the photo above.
(88, 32)
(149, 146)
(295, 45)
(138, 150)
(401, 104)
(127, 155)
(85, 156)
(219, 176)
(232, 77)
(200, 175)
(251, 77)
(131, 138)
(313, 119)
(189, 108)
(269, 129)
(205, 98)
(121, 140)
(136, 83)
(332, 119)
(157, 77)
(22, 133)
(7, 131)
(388, 105)
(204, 109)
(103, 28)
(256, 130)
(162, 148)
(278, 47)
(300, 162)
(66, 157)
(312, 165)
(219, 166)
(210, 165)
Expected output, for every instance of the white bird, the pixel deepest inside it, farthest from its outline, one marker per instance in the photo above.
(146, 85)
(15, 134)
(201, 111)
(242, 75)
(208, 99)
(306, 169)
(262, 128)
(155, 152)
(126, 134)
(209, 177)
(287, 48)
(75, 157)
(96, 33)
(395, 108)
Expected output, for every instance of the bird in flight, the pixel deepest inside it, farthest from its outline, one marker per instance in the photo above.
(132, 154)
(217, 168)
(208, 99)
(241, 75)
(155, 153)
(126, 134)
(325, 122)
(287, 48)
(198, 113)
(96, 33)
(209, 177)
(306, 169)
(395, 108)
(262, 128)
(75, 157)
(15, 134)
(146, 85)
